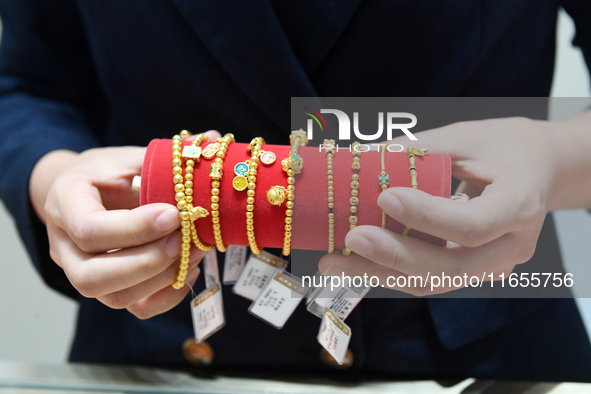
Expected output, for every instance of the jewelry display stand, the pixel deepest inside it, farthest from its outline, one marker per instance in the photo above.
(310, 212)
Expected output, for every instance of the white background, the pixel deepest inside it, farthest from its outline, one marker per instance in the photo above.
(36, 324)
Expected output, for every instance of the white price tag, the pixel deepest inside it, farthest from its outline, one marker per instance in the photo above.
(334, 336)
(234, 263)
(210, 268)
(278, 299)
(207, 310)
(341, 300)
(259, 269)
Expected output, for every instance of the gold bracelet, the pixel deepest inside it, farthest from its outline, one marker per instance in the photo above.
(354, 200)
(215, 173)
(297, 138)
(384, 178)
(255, 150)
(329, 157)
(184, 198)
(412, 152)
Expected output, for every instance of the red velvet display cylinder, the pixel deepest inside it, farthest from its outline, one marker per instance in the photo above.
(310, 213)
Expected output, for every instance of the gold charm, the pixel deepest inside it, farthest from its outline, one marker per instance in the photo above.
(216, 171)
(267, 157)
(276, 195)
(210, 150)
(197, 213)
(192, 152)
(241, 169)
(240, 182)
(286, 164)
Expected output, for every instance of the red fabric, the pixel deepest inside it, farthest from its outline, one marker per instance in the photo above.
(310, 220)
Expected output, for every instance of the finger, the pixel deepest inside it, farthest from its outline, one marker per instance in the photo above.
(164, 300)
(212, 135)
(124, 298)
(94, 229)
(472, 224)
(105, 273)
(416, 257)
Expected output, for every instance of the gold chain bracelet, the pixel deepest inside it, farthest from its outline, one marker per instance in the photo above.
(329, 156)
(255, 150)
(184, 198)
(383, 177)
(354, 200)
(217, 149)
(412, 152)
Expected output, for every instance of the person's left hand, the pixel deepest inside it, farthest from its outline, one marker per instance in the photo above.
(516, 174)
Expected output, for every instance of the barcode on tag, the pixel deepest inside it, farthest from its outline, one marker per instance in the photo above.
(341, 300)
(279, 299)
(210, 268)
(234, 263)
(334, 336)
(259, 269)
(207, 310)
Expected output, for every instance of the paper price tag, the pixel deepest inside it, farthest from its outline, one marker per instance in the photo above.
(279, 299)
(234, 263)
(210, 268)
(207, 310)
(334, 336)
(341, 300)
(259, 269)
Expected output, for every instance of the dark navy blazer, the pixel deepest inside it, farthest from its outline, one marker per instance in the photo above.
(81, 74)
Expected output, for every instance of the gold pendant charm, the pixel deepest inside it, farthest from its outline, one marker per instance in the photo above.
(197, 213)
(276, 195)
(267, 157)
(216, 171)
(241, 169)
(210, 150)
(240, 182)
(192, 152)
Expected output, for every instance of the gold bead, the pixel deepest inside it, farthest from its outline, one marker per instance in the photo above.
(330, 194)
(177, 179)
(288, 233)
(250, 200)
(181, 278)
(185, 260)
(219, 160)
(250, 227)
(249, 208)
(330, 173)
(215, 191)
(185, 231)
(215, 198)
(181, 204)
(354, 192)
(179, 196)
(189, 191)
(288, 220)
(291, 188)
(355, 185)
(215, 184)
(215, 206)
(184, 133)
(185, 253)
(353, 209)
(215, 214)
(189, 170)
(249, 221)
(184, 266)
(330, 183)
(250, 193)
(189, 199)
(251, 186)
(176, 155)
(179, 187)
(330, 199)
(176, 162)
(185, 224)
(185, 246)
(189, 184)
(186, 239)
(288, 227)
(290, 172)
(249, 215)
(331, 205)
(289, 212)
(354, 200)
(355, 177)
(178, 284)
(188, 177)
(190, 163)
(215, 220)
(289, 205)
(177, 170)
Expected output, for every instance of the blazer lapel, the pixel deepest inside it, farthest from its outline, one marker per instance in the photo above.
(247, 40)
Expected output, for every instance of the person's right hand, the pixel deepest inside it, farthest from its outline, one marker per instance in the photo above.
(111, 249)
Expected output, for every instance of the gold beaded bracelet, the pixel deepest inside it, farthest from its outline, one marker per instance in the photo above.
(255, 150)
(330, 144)
(184, 198)
(412, 152)
(215, 173)
(384, 178)
(297, 138)
(354, 200)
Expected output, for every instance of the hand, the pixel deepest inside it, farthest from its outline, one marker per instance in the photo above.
(515, 174)
(110, 249)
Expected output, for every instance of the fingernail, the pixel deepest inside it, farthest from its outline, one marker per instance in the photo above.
(334, 270)
(360, 245)
(389, 203)
(173, 245)
(167, 220)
